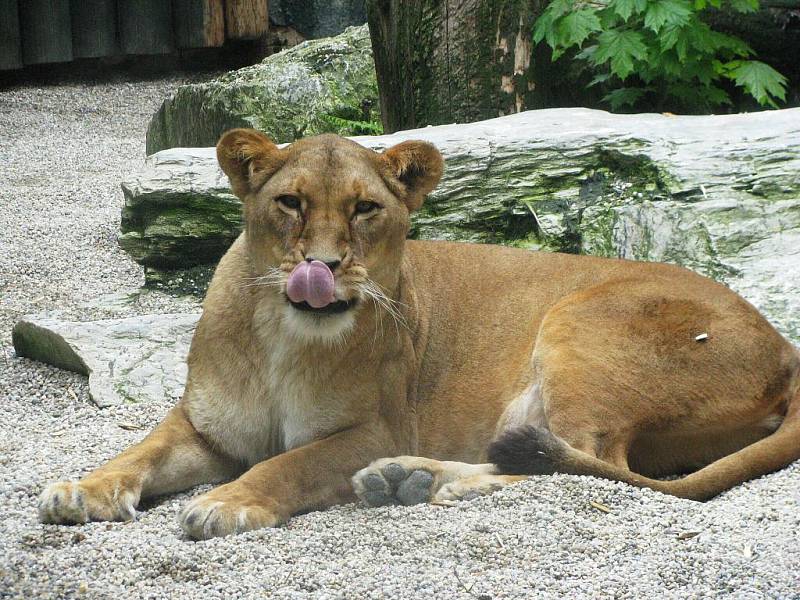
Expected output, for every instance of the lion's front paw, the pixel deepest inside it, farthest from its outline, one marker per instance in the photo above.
(226, 510)
(107, 499)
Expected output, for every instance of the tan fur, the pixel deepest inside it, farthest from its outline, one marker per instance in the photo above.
(449, 346)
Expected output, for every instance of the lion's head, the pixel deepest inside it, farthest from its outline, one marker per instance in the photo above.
(326, 220)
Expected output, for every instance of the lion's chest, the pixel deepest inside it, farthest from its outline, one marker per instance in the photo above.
(280, 406)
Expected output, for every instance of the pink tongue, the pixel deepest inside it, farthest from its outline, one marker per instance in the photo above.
(311, 282)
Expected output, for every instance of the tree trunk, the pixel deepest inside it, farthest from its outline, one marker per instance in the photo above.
(446, 61)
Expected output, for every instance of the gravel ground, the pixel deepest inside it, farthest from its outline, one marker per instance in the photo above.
(64, 149)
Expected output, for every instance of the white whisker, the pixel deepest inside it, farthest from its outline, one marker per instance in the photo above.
(384, 302)
(274, 277)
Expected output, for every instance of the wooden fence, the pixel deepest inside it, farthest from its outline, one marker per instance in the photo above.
(34, 32)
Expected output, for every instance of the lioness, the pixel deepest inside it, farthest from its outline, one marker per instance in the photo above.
(328, 343)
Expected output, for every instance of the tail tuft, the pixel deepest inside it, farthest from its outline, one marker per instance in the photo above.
(528, 450)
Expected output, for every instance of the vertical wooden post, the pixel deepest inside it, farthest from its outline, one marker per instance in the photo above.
(246, 19)
(94, 28)
(145, 26)
(10, 47)
(199, 23)
(46, 31)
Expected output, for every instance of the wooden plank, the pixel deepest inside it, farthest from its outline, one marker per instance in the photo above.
(46, 31)
(10, 46)
(246, 19)
(94, 28)
(145, 26)
(199, 23)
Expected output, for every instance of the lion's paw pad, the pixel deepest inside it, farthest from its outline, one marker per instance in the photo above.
(416, 488)
(392, 483)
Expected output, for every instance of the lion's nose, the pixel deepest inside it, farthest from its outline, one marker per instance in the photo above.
(332, 264)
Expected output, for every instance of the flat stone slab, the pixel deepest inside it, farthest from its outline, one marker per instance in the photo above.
(136, 359)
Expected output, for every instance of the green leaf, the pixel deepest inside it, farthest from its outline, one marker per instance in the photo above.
(545, 26)
(561, 7)
(670, 66)
(721, 41)
(705, 40)
(699, 4)
(744, 6)
(702, 70)
(669, 37)
(666, 12)
(697, 97)
(587, 53)
(624, 97)
(621, 48)
(599, 78)
(726, 68)
(543, 29)
(761, 81)
(716, 95)
(608, 19)
(624, 8)
(577, 26)
(350, 127)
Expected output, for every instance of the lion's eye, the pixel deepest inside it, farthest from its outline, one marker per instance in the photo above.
(365, 206)
(289, 202)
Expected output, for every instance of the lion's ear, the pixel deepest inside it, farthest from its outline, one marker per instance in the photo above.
(418, 166)
(248, 158)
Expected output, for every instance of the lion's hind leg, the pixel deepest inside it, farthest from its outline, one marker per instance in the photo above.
(639, 381)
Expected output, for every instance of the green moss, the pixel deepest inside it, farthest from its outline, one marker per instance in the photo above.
(597, 231)
(637, 169)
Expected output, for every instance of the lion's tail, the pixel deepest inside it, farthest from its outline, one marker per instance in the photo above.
(536, 451)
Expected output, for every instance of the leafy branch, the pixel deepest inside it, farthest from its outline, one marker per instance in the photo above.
(658, 52)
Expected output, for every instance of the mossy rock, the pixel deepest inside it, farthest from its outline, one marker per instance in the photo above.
(315, 87)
